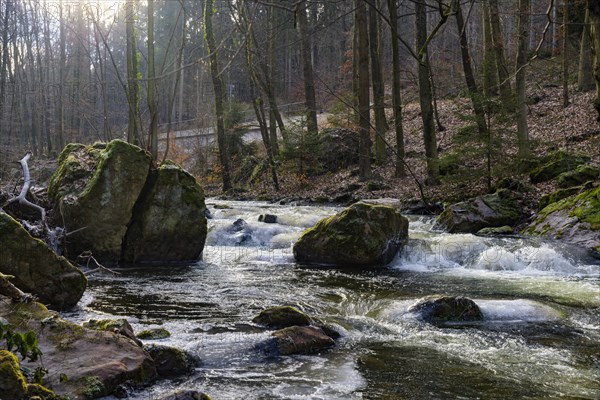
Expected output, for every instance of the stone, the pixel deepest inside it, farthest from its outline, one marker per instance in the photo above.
(301, 340)
(12, 381)
(281, 317)
(554, 165)
(36, 268)
(120, 326)
(579, 176)
(81, 363)
(488, 211)
(169, 221)
(169, 361)
(502, 230)
(447, 309)
(267, 218)
(154, 334)
(574, 220)
(94, 190)
(186, 395)
(360, 235)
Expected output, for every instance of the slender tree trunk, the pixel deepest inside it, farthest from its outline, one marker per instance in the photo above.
(307, 68)
(474, 92)
(490, 76)
(133, 134)
(219, 90)
(396, 97)
(594, 16)
(375, 47)
(5, 61)
(501, 66)
(425, 95)
(585, 78)
(523, 45)
(60, 128)
(151, 96)
(565, 63)
(364, 147)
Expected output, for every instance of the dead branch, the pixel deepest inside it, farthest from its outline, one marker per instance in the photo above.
(87, 258)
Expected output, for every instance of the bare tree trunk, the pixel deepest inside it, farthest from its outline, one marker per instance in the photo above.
(585, 78)
(61, 71)
(364, 147)
(490, 76)
(594, 14)
(375, 47)
(502, 70)
(309, 82)
(565, 60)
(396, 97)
(151, 96)
(133, 134)
(474, 92)
(5, 61)
(219, 90)
(425, 95)
(523, 44)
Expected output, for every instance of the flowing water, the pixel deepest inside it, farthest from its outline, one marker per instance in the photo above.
(541, 302)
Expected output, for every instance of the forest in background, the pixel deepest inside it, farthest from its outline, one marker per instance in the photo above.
(83, 71)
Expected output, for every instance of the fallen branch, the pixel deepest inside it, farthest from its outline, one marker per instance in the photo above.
(22, 197)
(14, 293)
(87, 257)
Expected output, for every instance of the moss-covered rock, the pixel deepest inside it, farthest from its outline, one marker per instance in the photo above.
(502, 230)
(447, 309)
(301, 340)
(36, 268)
(12, 381)
(555, 164)
(170, 362)
(154, 334)
(582, 174)
(492, 210)
(94, 191)
(81, 363)
(574, 220)
(361, 235)
(281, 317)
(558, 195)
(186, 395)
(169, 223)
(120, 326)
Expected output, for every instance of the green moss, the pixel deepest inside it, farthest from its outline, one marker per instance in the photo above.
(560, 194)
(581, 175)
(12, 381)
(556, 164)
(102, 324)
(585, 206)
(33, 389)
(154, 334)
(93, 387)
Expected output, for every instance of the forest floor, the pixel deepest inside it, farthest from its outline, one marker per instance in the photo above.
(551, 127)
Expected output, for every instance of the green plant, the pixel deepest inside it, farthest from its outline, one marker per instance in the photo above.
(26, 344)
(302, 149)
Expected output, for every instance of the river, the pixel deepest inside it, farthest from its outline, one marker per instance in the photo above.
(540, 300)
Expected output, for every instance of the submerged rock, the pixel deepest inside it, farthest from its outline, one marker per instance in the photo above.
(154, 334)
(36, 268)
(81, 363)
(186, 395)
(447, 309)
(301, 340)
(94, 190)
(267, 218)
(169, 221)
(169, 361)
(361, 235)
(281, 317)
(489, 211)
(501, 230)
(574, 220)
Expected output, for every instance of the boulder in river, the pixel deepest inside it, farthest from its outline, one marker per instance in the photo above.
(81, 363)
(36, 268)
(301, 340)
(120, 326)
(186, 395)
(169, 221)
(447, 309)
(94, 190)
(170, 362)
(574, 220)
(154, 334)
(281, 317)
(361, 235)
(488, 211)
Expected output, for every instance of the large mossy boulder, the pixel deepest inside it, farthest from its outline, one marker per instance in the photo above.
(555, 164)
(169, 223)
(12, 381)
(361, 235)
(36, 268)
(170, 362)
(81, 363)
(447, 309)
(579, 176)
(491, 210)
(94, 190)
(574, 220)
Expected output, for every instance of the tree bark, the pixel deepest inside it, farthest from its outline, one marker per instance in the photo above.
(565, 60)
(133, 134)
(425, 95)
(585, 78)
(362, 51)
(219, 90)
(523, 46)
(490, 76)
(396, 95)
(375, 47)
(151, 95)
(307, 69)
(501, 68)
(594, 15)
